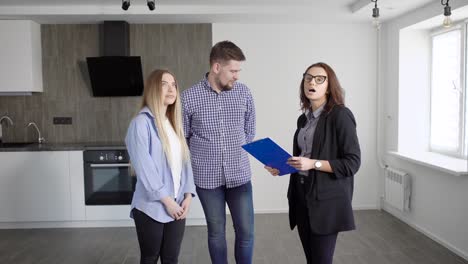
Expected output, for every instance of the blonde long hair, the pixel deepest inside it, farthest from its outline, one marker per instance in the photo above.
(153, 100)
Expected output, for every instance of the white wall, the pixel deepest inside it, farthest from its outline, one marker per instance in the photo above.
(439, 204)
(277, 55)
(414, 95)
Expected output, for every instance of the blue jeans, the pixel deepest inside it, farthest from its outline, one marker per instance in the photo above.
(239, 200)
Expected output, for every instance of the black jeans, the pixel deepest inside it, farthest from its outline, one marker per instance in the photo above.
(158, 239)
(318, 249)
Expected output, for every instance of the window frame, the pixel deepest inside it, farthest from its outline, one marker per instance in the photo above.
(462, 151)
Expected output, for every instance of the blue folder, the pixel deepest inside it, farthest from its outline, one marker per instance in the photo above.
(269, 153)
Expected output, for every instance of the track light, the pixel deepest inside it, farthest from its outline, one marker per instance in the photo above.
(125, 4)
(447, 12)
(375, 15)
(151, 5)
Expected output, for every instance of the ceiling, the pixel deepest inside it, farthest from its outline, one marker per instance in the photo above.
(206, 11)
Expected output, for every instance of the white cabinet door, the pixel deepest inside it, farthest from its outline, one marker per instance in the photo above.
(21, 56)
(34, 186)
(78, 212)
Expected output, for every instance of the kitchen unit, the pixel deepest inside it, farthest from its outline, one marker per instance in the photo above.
(35, 186)
(43, 185)
(21, 63)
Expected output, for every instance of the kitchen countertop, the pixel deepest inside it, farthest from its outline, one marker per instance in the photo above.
(14, 147)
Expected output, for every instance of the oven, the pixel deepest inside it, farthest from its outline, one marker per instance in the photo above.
(107, 178)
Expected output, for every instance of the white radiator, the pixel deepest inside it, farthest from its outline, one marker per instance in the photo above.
(397, 189)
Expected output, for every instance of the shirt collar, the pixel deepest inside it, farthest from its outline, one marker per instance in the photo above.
(207, 83)
(146, 110)
(312, 115)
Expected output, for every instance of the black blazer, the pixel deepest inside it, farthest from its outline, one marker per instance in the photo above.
(330, 194)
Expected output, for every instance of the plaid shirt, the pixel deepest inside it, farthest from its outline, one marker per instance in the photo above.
(216, 126)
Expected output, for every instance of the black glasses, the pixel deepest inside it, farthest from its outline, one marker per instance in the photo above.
(319, 79)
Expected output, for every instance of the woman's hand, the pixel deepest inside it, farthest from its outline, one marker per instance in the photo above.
(301, 163)
(172, 208)
(272, 171)
(186, 205)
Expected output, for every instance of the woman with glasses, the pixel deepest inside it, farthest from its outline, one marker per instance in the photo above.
(326, 155)
(160, 157)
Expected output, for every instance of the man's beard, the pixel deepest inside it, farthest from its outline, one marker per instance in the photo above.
(225, 87)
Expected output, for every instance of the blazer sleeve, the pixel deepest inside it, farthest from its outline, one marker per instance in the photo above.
(349, 159)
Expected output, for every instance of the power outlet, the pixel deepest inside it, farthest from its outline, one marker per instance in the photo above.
(62, 121)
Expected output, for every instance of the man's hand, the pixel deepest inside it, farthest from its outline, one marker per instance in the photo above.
(272, 171)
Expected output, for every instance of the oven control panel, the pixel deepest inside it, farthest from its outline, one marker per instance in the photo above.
(106, 156)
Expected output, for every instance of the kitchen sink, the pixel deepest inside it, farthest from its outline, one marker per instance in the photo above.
(16, 144)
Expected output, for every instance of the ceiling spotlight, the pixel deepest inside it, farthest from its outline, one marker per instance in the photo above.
(125, 4)
(375, 15)
(151, 5)
(447, 12)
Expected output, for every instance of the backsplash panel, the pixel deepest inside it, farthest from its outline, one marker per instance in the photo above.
(181, 48)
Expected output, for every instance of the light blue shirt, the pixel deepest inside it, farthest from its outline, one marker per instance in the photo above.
(154, 176)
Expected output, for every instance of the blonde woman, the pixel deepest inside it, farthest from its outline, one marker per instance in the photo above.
(160, 158)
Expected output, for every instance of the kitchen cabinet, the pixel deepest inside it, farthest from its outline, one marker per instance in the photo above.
(21, 57)
(40, 187)
(36, 186)
(77, 206)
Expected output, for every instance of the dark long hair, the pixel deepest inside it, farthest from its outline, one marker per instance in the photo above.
(334, 92)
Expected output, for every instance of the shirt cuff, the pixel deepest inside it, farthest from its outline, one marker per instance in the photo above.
(158, 195)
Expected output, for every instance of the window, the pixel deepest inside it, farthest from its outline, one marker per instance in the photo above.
(449, 126)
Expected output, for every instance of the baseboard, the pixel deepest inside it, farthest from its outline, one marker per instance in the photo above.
(196, 222)
(130, 223)
(285, 210)
(272, 211)
(66, 224)
(389, 209)
(85, 224)
(366, 207)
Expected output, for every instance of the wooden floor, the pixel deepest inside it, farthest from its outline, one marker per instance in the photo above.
(379, 239)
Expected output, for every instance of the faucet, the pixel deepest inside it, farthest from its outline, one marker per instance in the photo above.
(7, 118)
(40, 139)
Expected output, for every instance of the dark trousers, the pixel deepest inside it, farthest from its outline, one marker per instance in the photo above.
(158, 239)
(318, 249)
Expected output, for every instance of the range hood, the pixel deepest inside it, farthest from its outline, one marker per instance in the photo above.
(115, 38)
(115, 73)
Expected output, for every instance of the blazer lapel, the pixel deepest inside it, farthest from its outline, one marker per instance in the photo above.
(300, 124)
